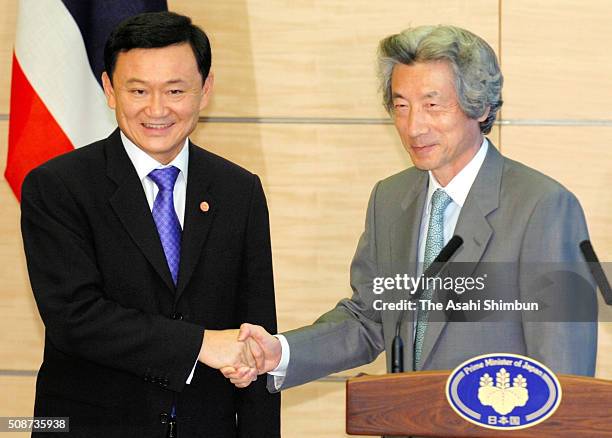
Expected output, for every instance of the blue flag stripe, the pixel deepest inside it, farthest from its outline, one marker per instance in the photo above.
(97, 18)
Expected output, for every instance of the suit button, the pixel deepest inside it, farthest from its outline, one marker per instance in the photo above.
(163, 418)
(178, 316)
(147, 378)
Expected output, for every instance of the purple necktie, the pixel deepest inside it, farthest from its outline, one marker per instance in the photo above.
(166, 220)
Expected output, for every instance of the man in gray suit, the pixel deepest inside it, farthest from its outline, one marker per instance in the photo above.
(442, 87)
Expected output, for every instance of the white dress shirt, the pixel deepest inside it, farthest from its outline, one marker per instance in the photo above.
(144, 164)
(458, 189)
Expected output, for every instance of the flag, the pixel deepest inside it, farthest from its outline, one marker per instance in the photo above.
(57, 101)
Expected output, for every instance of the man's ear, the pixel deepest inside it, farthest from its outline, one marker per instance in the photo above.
(207, 89)
(484, 115)
(109, 92)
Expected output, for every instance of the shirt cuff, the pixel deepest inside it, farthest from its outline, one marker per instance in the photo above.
(278, 381)
(280, 371)
(191, 374)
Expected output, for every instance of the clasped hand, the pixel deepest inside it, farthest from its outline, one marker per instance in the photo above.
(241, 355)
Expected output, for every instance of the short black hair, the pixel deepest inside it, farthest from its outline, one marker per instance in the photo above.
(157, 29)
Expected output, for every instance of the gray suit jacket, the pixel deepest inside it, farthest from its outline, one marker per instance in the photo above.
(514, 218)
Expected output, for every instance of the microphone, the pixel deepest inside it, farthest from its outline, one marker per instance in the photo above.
(434, 269)
(595, 267)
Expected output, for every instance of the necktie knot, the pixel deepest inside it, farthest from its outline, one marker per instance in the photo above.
(165, 178)
(435, 231)
(439, 202)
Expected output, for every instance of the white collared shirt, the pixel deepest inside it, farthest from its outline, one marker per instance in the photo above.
(458, 189)
(144, 164)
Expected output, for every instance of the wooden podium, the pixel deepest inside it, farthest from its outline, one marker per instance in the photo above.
(415, 404)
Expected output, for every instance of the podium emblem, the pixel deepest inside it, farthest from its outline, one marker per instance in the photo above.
(503, 391)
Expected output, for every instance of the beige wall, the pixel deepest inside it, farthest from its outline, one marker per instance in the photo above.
(313, 63)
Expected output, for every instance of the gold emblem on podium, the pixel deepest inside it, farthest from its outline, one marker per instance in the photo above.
(502, 397)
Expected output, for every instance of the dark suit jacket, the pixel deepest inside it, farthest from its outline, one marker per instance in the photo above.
(120, 338)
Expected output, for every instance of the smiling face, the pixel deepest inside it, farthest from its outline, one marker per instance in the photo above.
(157, 95)
(431, 124)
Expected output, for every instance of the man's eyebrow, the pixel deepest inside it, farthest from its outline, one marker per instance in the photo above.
(135, 81)
(140, 81)
(175, 81)
(429, 95)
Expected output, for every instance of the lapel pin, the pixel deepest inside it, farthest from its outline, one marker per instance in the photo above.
(204, 206)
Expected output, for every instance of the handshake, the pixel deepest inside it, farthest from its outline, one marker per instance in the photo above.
(241, 355)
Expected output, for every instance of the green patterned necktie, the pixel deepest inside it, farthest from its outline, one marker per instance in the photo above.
(433, 246)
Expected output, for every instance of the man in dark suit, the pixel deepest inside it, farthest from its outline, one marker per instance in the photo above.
(145, 253)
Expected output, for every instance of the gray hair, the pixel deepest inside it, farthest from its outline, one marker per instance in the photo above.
(478, 80)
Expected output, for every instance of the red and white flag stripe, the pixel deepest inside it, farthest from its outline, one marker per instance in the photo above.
(56, 102)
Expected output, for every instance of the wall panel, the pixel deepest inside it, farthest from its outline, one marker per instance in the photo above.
(17, 395)
(314, 58)
(8, 18)
(21, 333)
(314, 410)
(17, 399)
(555, 59)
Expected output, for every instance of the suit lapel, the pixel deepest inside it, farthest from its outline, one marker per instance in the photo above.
(130, 204)
(475, 230)
(404, 241)
(482, 200)
(197, 222)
